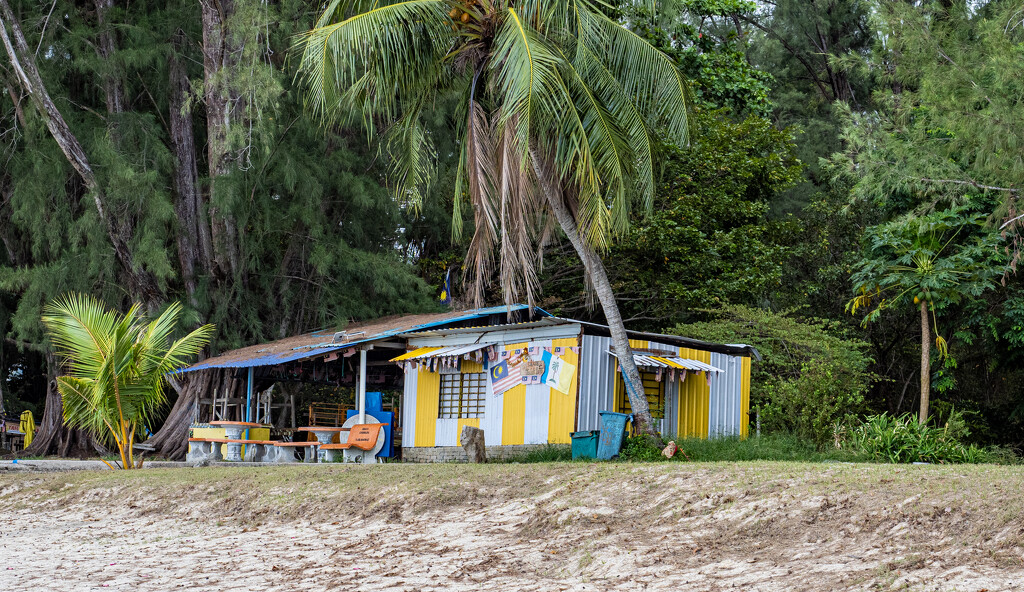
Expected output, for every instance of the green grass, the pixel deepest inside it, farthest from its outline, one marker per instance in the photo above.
(782, 447)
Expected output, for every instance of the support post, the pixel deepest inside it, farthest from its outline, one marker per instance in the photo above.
(248, 401)
(362, 386)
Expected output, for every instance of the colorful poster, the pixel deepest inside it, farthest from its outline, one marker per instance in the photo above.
(559, 376)
(504, 377)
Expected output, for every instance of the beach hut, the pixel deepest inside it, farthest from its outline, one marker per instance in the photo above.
(534, 383)
(522, 375)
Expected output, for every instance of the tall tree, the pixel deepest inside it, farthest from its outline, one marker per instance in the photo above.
(925, 259)
(558, 106)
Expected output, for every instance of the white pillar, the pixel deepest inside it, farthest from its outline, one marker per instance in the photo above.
(362, 386)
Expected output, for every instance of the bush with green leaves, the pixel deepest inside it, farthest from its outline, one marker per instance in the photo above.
(812, 377)
(902, 439)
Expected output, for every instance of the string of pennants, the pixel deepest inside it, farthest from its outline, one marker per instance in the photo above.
(486, 356)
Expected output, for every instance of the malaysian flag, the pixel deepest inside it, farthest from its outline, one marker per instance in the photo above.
(504, 377)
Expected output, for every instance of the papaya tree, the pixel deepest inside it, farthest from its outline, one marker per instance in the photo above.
(931, 262)
(558, 106)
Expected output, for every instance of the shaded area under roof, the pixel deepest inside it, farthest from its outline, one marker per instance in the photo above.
(322, 342)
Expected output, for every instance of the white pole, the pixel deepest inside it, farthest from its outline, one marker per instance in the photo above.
(362, 386)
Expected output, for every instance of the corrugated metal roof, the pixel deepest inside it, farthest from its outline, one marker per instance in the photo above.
(322, 342)
(649, 361)
(440, 352)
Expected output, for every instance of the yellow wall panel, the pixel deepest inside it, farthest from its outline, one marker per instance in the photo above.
(620, 386)
(745, 399)
(513, 410)
(562, 406)
(694, 398)
(215, 432)
(466, 421)
(428, 393)
(471, 367)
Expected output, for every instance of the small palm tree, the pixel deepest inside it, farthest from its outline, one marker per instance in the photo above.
(116, 366)
(556, 103)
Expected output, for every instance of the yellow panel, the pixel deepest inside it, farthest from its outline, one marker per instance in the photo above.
(212, 432)
(466, 421)
(469, 367)
(513, 409)
(414, 353)
(745, 398)
(619, 388)
(694, 398)
(428, 393)
(562, 406)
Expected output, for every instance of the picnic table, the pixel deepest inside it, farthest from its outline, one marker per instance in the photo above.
(233, 431)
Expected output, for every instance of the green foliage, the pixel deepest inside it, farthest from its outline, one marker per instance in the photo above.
(941, 258)
(708, 241)
(902, 439)
(116, 366)
(558, 103)
(813, 376)
(640, 448)
(547, 453)
(777, 446)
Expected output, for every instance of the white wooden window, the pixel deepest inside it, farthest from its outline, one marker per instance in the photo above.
(462, 395)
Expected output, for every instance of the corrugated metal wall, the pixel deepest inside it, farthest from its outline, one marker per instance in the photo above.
(562, 406)
(409, 409)
(726, 404)
(597, 381)
(534, 414)
(693, 408)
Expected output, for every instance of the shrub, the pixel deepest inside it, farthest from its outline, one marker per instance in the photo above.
(812, 376)
(640, 449)
(903, 439)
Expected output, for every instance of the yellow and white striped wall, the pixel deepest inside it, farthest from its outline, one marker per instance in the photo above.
(693, 407)
(525, 414)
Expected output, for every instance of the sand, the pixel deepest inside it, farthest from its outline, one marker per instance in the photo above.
(755, 527)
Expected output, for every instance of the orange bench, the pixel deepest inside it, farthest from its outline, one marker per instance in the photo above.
(361, 437)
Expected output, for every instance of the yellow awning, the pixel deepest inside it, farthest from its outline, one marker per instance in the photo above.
(415, 353)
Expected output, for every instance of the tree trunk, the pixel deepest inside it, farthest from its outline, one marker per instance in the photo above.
(22, 59)
(221, 111)
(53, 437)
(107, 45)
(193, 236)
(171, 440)
(926, 371)
(643, 423)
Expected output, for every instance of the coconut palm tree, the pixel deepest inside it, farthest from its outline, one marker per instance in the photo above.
(116, 365)
(555, 106)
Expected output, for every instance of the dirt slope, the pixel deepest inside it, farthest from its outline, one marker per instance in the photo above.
(750, 526)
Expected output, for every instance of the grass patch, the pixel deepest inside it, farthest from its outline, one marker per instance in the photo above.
(777, 447)
(548, 453)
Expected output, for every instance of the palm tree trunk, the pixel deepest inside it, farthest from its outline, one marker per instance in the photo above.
(643, 423)
(926, 372)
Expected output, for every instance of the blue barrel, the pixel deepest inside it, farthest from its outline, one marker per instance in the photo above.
(613, 426)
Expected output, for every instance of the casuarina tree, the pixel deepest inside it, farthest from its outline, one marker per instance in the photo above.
(557, 105)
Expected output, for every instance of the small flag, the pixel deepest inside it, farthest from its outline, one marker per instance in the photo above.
(559, 375)
(446, 291)
(504, 377)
